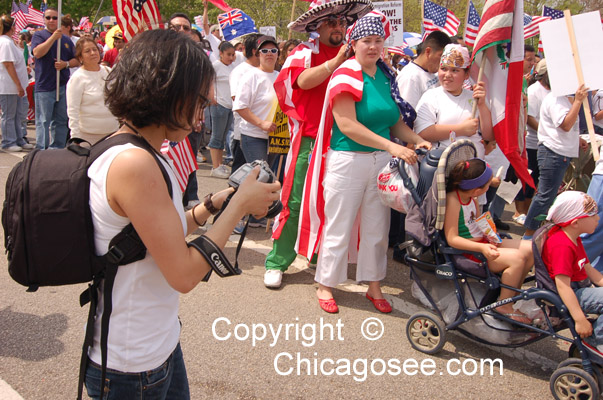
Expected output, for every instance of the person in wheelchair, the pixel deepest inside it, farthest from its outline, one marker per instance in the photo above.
(573, 214)
(513, 259)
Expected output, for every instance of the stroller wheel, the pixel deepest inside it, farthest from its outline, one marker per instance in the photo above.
(426, 333)
(577, 363)
(573, 383)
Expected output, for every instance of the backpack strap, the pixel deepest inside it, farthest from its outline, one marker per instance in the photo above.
(125, 248)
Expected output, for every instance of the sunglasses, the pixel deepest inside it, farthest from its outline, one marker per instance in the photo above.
(178, 27)
(48, 18)
(334, 22)
(266, 51)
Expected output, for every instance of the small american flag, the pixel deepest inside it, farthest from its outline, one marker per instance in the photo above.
(552, 14)
(183, 160)
(20, 18)
(135, 16)
(35, 16)
(83, 26)
(530, 25)
(472, 25)
(438, 18)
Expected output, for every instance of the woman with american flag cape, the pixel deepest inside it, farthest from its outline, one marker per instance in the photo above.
(362, 110)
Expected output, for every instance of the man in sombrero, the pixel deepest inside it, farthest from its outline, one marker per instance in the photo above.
(300, 88)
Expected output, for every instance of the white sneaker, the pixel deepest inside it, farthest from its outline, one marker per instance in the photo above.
(201, 158)
(13, 149)
(220, 172)
(27, 146)
(273, 278)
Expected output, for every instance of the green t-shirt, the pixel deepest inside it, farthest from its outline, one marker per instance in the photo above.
(376, 110)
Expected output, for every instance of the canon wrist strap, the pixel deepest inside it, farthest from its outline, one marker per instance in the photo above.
(214, 257)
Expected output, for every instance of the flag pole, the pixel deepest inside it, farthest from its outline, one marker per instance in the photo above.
(480, 75)
(97, 11)
(59, 49)
(587, 114)
(292, 16)
(466, 20)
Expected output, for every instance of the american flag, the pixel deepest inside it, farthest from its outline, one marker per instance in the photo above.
(43, 6)
(397, 49)
(35, 16)
(135, 16)
(183, 160)
(83, 24)
(472, 25)
(552, 14)
(530, 25)
(20, 18)
(438, 18)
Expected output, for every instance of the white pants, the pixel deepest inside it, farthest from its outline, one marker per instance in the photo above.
(350, 189)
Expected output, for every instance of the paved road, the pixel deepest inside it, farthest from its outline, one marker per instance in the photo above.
(41, 335)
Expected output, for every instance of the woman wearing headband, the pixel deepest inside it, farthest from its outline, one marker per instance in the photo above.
(366, 114)
(512, 258)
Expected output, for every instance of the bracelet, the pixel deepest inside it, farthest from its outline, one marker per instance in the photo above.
(209, 206)
(195, 218)
(326, 64)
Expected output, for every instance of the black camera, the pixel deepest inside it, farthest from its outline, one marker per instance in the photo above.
(266, 176)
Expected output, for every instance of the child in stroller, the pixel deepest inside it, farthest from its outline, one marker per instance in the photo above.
(512, 258)
(573, 214)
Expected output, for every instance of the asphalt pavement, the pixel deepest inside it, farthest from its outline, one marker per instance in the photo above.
(244, 341)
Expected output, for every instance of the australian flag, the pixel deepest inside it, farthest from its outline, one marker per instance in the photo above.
(235, 23)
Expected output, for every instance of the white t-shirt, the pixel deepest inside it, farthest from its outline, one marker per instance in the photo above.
(413, 81)
(437, 106)
(552, 113)
(222, 86)
(256, 92)
(86, 103)
(235, 79)
(536, 93)
(9, 52)
(144, 328)
(597, 106)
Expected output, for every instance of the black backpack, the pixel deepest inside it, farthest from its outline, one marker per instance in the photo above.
(47, 205)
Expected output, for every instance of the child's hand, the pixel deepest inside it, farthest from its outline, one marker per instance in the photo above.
(490, 251)
(584, 328)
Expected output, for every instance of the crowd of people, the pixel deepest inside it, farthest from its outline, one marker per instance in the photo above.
(350, 110)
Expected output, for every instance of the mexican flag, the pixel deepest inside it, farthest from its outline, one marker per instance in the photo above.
(500, 40)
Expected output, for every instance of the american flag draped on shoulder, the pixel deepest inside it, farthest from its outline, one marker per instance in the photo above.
(299, 59)
(471, 25)
(501, 27)
(135, 16)
(183, 160)
(347, 78)
(438, 18)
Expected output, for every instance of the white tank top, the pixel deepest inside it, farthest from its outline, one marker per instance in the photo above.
(144, 328)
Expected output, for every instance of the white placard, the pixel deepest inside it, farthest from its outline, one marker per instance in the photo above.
(393, 10)
(558, 52)
(268, 31)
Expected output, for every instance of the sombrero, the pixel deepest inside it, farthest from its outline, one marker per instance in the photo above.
(351, 9)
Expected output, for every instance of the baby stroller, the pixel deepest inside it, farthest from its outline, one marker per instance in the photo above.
(462, 293)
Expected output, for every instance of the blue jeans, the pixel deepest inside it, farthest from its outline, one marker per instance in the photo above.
(14, 112)
(591, 302)
(51, 118)
(254, 148)
(552, 168)
(221, 123)
(168, 381)
(593, 243)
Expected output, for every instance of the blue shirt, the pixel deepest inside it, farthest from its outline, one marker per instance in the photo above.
(46, 75)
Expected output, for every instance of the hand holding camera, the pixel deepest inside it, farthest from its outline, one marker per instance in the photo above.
(256, 188)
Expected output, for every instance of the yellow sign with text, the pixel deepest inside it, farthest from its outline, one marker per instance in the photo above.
(278, 141)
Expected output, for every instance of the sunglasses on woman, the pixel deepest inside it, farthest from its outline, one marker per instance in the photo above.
(266, 51)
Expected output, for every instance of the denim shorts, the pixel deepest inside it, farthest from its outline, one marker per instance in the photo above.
(167, 381)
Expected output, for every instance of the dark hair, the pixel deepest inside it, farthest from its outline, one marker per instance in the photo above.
(26, 36)
(198, 34)
(251, 44)
(67, 22)
(7, 24)
(225, 46)
(181, 15)
(158, 80)
(52, 8)
(470, 169)
(528, 49)
(436, 40)
(284, 54)
(79, 46)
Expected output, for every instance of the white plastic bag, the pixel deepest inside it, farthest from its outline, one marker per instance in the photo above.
(391, 187)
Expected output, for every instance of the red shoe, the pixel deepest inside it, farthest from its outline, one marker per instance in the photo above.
(329, 305)
(380, 304)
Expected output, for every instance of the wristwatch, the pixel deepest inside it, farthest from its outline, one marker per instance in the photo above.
(209, 206)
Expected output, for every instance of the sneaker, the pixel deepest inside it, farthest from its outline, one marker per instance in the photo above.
(239, 228)
(520, 219)
(13, 149)
(273, 278)
(258, 223)
(201, 158)
(27, 146)
(221, 172)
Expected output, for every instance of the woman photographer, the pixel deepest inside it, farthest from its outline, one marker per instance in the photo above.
(158, 88)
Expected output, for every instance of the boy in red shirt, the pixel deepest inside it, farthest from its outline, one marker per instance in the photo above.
(573, 214)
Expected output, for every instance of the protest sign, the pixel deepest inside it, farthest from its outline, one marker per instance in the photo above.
(278, 141)
(394, 12)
